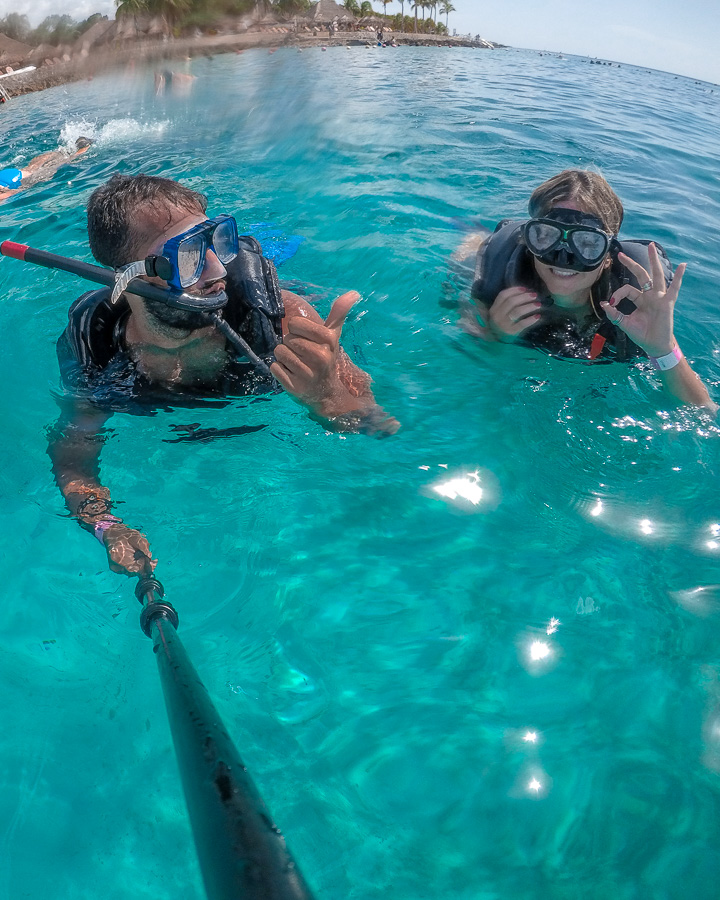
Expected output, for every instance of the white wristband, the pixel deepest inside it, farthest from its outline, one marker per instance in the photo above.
(669, 361)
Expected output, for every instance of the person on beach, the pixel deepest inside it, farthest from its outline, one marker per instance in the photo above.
(563, 282)
(40, 168)
(136, 354)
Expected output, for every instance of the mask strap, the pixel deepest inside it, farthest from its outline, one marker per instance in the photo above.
(124, 276)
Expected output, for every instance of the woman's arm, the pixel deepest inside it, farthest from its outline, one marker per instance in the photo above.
(651, 327)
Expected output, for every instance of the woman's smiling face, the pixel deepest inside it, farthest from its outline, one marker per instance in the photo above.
(569, 289)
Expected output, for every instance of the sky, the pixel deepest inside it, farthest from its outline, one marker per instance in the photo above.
(680, 36)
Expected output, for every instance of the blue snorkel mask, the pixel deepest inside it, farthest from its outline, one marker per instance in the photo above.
(181, 263)
(567, 239)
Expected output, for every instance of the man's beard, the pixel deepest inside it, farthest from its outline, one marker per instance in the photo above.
(176, 319)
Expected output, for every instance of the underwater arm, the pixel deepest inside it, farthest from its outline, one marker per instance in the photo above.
(686, 386)
(74, 448)
(313, 367)
(651, 326)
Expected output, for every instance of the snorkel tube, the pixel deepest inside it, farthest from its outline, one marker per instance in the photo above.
(108, 278)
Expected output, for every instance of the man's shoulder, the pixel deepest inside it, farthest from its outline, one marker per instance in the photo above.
(90, 337)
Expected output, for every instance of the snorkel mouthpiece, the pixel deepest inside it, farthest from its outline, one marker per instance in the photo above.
(196, 303)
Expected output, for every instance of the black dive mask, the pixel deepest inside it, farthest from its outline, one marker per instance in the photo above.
(567, 239)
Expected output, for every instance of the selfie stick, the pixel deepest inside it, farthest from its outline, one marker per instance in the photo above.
(107, 277)
(242, 854)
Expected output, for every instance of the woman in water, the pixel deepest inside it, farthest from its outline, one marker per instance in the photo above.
(563, 282)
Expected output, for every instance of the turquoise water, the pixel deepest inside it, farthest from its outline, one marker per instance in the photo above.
(514, 698)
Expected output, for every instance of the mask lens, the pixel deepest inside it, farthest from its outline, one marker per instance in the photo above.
(190, 259)
(589, 245)
(541, 236)
(225, 243)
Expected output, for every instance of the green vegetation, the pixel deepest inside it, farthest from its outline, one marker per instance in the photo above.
(53, 30)
(183, 14)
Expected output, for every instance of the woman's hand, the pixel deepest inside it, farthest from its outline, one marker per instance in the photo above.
(515, 309)
(650, 325)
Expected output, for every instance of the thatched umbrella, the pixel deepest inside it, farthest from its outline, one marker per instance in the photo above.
(12, 52)
(326, 11)
(158, 28)
(41, 52)
(126, 29)
(102, 32)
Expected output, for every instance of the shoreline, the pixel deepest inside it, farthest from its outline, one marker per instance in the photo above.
(103, 59)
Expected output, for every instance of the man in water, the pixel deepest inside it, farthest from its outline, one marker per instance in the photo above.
(136, 353)
(41, 168)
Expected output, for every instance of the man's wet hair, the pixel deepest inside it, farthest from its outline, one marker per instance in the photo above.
(115, 226)
(588, 190)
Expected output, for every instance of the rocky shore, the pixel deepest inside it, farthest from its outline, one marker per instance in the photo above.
(103, 59)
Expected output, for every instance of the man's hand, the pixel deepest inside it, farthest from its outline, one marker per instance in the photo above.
(128, 551)
(308, 360)
(515, 309)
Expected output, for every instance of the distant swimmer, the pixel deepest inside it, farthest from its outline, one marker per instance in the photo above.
(40, 168)
(178, 83)
(563, 282)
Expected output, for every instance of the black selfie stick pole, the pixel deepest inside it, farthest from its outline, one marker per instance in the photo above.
(242, 853)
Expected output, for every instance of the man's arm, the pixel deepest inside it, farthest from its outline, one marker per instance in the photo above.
(313, 367)
(74, 448)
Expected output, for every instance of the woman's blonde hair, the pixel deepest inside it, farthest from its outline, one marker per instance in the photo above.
(587, 190)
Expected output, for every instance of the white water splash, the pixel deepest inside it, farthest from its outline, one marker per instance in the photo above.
(112, 133)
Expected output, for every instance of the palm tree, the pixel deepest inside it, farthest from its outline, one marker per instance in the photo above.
(170, 10)
(416, 4)
(402, 14)
(352, 7)
(134, 8)
(366, 8)
(130, 7)
(445, 9)
(385, 5)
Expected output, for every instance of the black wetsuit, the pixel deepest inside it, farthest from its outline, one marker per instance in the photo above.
(504, 261)
(95, 364)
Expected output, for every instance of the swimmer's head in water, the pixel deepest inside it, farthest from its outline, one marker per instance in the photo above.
(130, 221)
(586, 191)
(124, 214)
(567, 239)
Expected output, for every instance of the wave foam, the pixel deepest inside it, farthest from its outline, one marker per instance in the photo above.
(116, 131)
